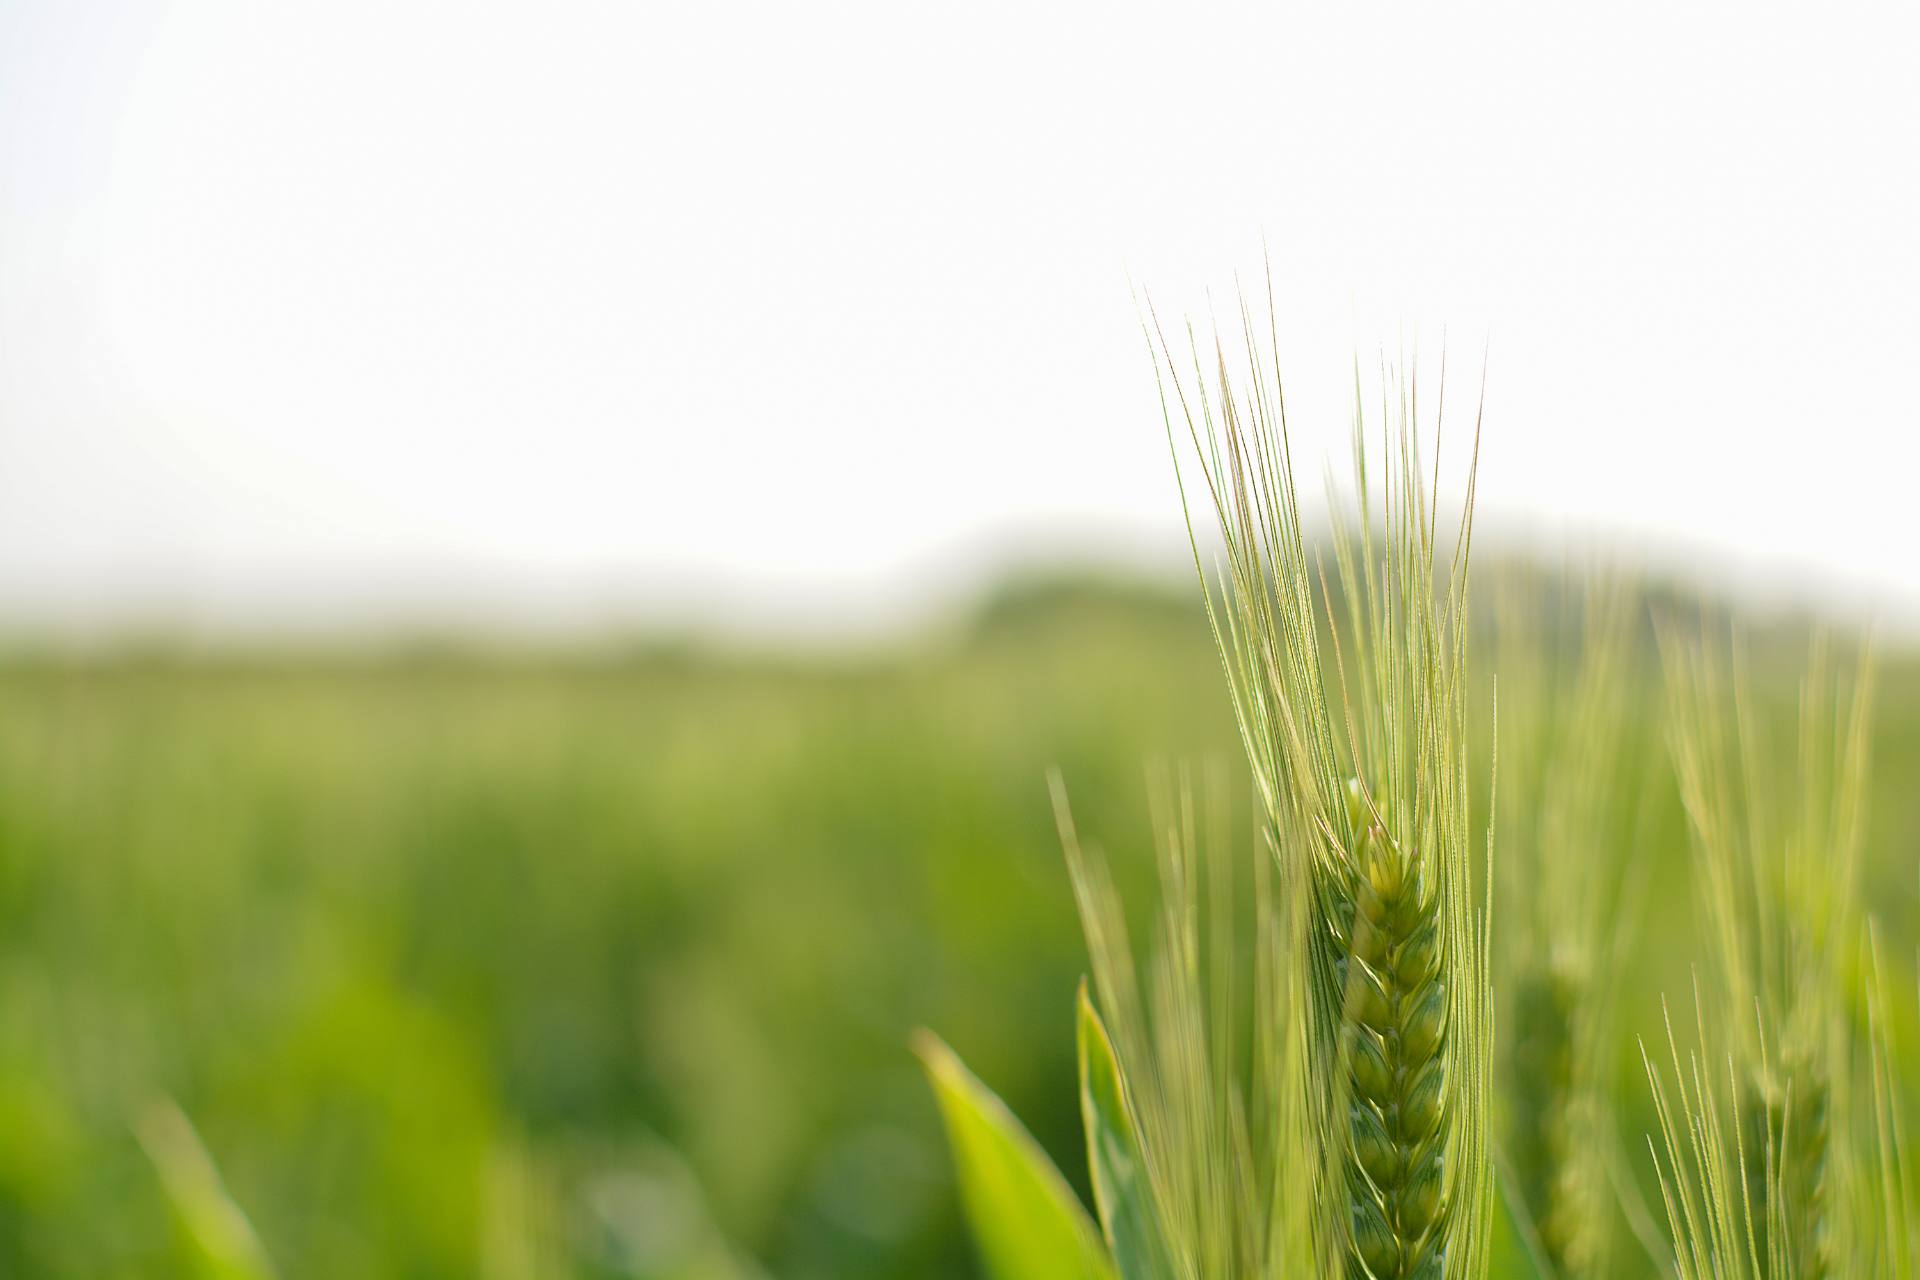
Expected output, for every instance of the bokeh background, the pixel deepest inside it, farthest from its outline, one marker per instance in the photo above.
(546, 551)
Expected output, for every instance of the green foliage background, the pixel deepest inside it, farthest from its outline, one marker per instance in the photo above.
(606, 965)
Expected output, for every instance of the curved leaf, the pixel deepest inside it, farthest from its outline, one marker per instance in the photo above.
(1028, 1223)
(1120, 1190)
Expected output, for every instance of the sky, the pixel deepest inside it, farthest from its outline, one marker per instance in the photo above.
(800, 315)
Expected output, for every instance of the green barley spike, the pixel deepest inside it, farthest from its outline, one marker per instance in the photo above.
(1392, 975)
(1348, 681)
(1777, 842)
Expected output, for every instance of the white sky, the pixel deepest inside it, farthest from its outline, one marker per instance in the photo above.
(761, 313)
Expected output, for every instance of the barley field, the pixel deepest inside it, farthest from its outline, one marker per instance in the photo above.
(607, 964)
(1010, 642)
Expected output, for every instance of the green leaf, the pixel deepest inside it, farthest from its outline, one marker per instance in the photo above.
(1025, 1218)
(213, 1229)
(1120, 1189)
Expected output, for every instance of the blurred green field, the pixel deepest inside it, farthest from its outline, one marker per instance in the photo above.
(605, 965)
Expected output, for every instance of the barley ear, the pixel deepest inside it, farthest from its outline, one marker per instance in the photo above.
(1568, 820)
(1392, 974)
(1351, 704)
(1777, 838)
